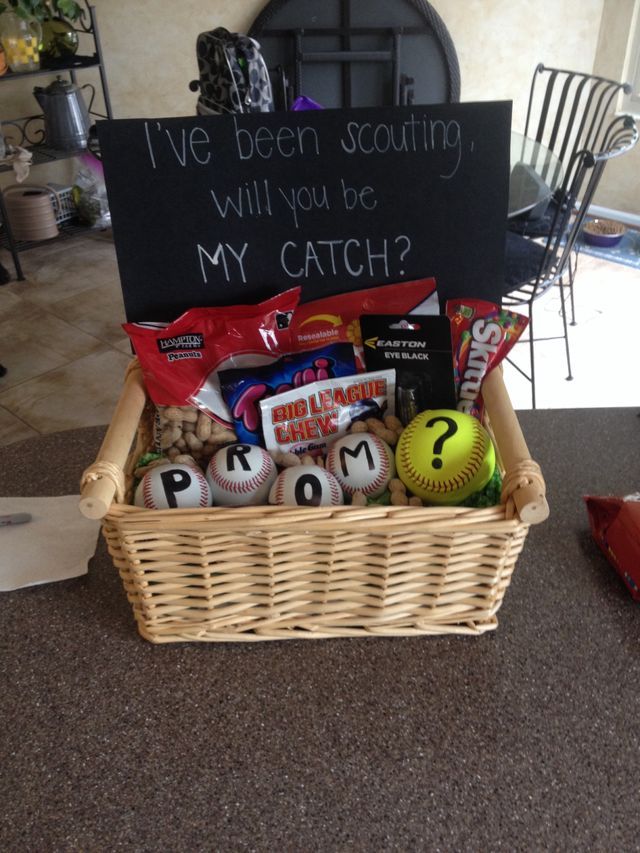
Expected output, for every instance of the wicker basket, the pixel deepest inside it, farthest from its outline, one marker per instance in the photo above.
(266, 573)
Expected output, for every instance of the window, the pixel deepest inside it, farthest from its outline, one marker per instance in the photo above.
(631, 102)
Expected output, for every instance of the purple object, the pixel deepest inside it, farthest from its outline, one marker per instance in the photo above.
(603, 232)
(304, 103)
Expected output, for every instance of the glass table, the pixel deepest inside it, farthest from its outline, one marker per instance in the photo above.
(536, 173)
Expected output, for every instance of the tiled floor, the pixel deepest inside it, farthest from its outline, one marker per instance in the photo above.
(65, 351)
(60, 338)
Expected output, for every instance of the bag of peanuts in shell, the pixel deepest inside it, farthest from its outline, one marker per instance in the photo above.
(180, 360)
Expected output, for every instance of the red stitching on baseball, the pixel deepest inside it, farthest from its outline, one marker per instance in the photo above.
(336, 491)
(384, 467)
(246, 486)
(204, 487)
(147, 497)
(381, 476)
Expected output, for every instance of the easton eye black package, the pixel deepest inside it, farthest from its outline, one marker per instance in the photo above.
(419, 347)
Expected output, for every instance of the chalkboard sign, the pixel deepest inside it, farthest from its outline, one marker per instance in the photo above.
(221, 210)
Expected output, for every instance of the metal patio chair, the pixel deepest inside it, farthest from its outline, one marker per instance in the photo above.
(534, 267)
(568, 112)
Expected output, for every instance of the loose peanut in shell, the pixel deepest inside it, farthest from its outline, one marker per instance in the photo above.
(203, 426)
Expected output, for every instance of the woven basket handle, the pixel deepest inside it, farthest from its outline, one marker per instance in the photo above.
(523, 481)
(104, 480)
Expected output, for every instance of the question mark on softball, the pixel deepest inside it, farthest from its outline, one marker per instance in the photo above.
(405, 251)
(452, 429)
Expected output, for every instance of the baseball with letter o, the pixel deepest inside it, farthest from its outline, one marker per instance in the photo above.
(306, 485)
(173, 486)
(361, 462)
(240, 475)
(444, 456)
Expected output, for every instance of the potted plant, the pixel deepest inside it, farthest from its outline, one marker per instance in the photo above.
(59, 38)
(43, 9)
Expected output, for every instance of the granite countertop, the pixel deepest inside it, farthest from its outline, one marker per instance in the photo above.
(526, 738)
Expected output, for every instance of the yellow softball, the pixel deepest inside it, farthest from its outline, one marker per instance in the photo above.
(443, 456)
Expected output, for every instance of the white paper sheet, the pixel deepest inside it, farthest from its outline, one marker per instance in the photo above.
(55, 545)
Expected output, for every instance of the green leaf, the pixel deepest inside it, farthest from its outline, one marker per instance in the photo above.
(27, 9)
(23, 10)
(41, 9)
(68, 8)
(12, 5)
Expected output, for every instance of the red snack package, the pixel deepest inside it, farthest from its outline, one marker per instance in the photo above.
(335, 319)
(482, 334)
(615, 526)
(180, 360)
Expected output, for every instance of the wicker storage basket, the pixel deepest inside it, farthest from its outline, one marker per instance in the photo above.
(264, 573)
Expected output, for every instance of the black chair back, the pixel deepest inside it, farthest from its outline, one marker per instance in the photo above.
(568, 111)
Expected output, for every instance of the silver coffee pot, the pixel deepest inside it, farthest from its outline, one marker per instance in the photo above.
(66, 116)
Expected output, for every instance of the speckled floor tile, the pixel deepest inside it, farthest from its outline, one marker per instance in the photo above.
(82, 393)
(8, 302)
(59, 270)
(12, 428)
(99, 312)
(34, 341)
